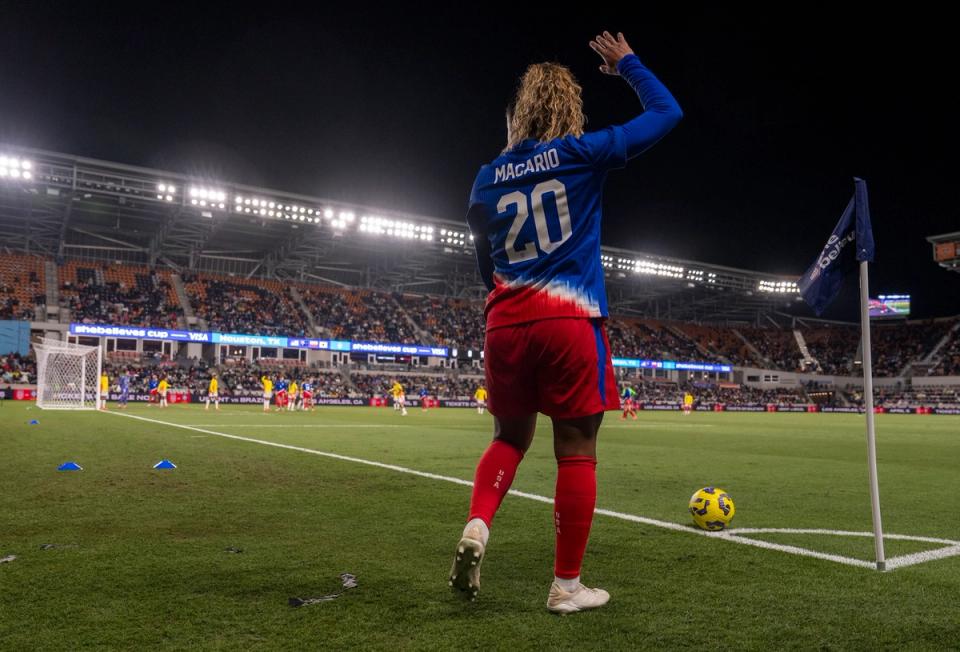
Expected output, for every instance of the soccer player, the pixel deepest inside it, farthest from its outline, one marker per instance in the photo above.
(628, 398)
(162, 388)
(213, 392)
(424, 398)
(152, 389)
(267, 392)
(535, 217)
(104, 390)
(687, 403)
(306, 395)
(124, 388)
(293, 395)
(399, 398)
(480, 396)
(281, 392)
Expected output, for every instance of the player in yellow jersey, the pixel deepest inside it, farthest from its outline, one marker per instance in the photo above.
(687, 403)
(162, 389)
(267, 392)
(213, 392)
(293, 395)
(480, 396)
(104, 390)
(399, 398)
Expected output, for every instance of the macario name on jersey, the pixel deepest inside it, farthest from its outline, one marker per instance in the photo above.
(540, 163)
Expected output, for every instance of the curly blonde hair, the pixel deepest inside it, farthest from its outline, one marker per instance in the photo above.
(547, 105)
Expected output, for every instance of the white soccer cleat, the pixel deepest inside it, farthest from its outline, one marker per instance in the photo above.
(465, 572)
(568, 602)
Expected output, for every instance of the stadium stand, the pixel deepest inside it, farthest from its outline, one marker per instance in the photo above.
(897, 345)
(451, 322)
(834, 347)
(118, 294)
(720, 340)
(778, 347)
(137, 295)
(17, 369)
(654, 340)
(22, 286)
(361, 315)
(949, 364)
(254, 306)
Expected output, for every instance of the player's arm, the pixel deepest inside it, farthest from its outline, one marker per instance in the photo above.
(661, 111)
(477, 221)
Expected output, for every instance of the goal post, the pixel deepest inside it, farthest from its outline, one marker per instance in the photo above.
(67, 375)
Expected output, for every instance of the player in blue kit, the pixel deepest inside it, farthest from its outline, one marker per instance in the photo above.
(124, 388)
(535, 217)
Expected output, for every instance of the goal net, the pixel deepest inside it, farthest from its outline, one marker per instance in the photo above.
(67, 375)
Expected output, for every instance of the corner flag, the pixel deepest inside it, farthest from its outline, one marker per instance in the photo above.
(819, 286)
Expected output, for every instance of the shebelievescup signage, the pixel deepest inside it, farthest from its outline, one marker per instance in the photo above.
(241, 339)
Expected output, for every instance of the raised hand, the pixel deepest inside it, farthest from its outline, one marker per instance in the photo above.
(611, 50)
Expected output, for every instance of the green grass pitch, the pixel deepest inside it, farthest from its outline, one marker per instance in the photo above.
(141, 559)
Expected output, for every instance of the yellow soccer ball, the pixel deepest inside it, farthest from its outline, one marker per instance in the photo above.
(712, 508)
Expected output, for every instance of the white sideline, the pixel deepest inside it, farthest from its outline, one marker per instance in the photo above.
(952, 548)
(297, 425)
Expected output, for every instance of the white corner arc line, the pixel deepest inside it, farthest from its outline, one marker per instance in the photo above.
(841, 533)
(729, 535)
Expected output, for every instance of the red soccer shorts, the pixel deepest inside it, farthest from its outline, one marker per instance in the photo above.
(560, 367)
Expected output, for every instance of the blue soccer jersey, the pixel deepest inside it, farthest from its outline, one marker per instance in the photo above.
(535, 212)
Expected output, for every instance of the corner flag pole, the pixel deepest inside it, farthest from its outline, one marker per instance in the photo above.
(868, 405)
(820, 285)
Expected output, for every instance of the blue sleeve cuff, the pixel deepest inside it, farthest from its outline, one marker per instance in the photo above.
(625, 61)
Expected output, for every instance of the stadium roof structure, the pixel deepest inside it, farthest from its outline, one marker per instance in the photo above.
(946, 250)
(74, 207)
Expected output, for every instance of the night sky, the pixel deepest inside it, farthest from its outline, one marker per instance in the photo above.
(399, 109)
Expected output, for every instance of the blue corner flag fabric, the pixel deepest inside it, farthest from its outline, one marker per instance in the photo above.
(820, 284)
(69, 466)
(164, 464)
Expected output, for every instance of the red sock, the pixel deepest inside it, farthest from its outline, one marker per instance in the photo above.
(573, 511)
(493, 478)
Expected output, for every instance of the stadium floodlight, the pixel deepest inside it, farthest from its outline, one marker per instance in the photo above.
(203, 197)
(778, 287)
(328, 213)
(166, 191)
(12, 167)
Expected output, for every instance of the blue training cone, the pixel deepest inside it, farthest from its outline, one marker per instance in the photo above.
(164, 464)
(69, 466)
(34, 422)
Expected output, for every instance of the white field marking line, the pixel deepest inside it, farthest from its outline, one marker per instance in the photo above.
(658, 425)
(920, 557)
(950, 549)
(297, 425)
(898, 562)
(842, 533)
